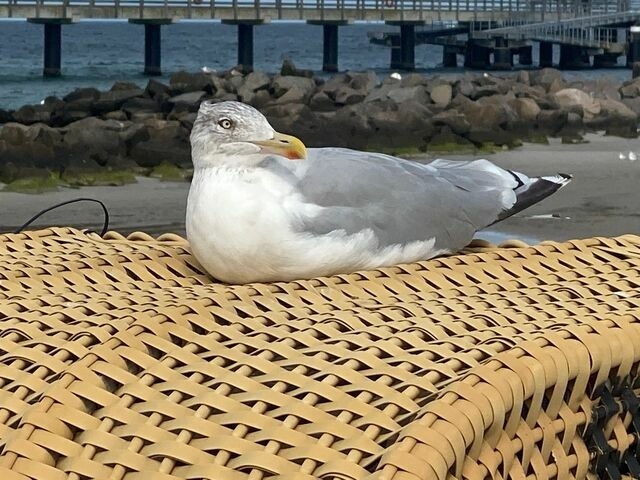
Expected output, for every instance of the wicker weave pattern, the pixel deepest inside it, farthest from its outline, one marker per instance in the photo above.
(120, 359)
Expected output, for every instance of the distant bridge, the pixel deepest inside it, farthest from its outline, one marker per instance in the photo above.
(502, 19)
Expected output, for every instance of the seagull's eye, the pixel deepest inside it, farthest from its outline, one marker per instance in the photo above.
(225, 123)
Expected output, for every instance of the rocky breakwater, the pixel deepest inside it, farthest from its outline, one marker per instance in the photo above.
(91, 137)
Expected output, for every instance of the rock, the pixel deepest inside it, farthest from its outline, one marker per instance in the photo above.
(168, 142)
(246, 94)
(445, 138)
(630, 89)
(181, 82)
(293, 95)
(331, 86)
(441, 95)
(464, 87)
(348, 96)
(408, 94)
(189, 101)
(123, 86)
(113, 100)
(619, 119)
(261, 98)
(363, 82)
(633, 104)
(138, 105)
(289, 69)
(82, 94)
(488, 116)
(155, 88)
(6, 116)
(321, 102)
(281, 85)
(413, 80)
(487, 91)
(94, 137)
(552, 121)
(526, 109)
(546, 77)
(32, 114)
(455, 120)
(574, 100)
(523, 77)
(256, 81)
(15, 133)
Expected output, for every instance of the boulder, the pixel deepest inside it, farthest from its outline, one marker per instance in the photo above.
(362, 82)
(289, 69)
(282, 84)
(29, 114)
(155, 88)
(256, 81)
(546, 77)
(618, 119)
(416, 94)
(321, 102)
(577, 101)
(349, 96)
(293, 95)
(168, 142)
(94, 137)
(331, 86)
(188, 101)
(442, 94)
(552, 121)
(526, 109)
(82, 94)
(15, 133)
(633, 104)
(413, 80)
(455, 120)
(181, 82)
(6, 116)
(138, 105)
(630, 89)
(113, 100)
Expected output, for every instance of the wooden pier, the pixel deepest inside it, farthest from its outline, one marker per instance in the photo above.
(407, 15)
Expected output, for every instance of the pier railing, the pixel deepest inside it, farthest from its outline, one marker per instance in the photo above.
(528, 11)
(593, 31)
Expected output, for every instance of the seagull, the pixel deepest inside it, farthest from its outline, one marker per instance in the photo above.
(264, 208)
(632, 156)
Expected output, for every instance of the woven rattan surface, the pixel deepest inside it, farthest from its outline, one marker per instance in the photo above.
(120, 359)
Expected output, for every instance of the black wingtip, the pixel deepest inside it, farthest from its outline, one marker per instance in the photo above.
(538, 189)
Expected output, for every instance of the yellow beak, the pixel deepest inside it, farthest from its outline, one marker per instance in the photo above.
(284, 145)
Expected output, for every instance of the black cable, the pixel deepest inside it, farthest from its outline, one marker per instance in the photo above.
(105, 226)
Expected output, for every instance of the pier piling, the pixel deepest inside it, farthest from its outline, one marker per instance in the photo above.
(245, 41)
(633, 51)
(408, 47)
(449, 57)
(476, 56)
(329, 42)
(502, 56)
(52, 44)
(546, 55)
(330, 47)
(152, 43)
(525, 55)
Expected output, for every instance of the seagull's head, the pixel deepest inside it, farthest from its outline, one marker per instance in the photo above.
(236, 134)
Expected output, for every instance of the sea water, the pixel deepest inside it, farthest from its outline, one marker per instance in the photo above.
(98, 53)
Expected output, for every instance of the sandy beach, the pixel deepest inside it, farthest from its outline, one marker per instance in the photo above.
(602, 200)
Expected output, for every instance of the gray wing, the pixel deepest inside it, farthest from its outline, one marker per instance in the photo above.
(401, 201)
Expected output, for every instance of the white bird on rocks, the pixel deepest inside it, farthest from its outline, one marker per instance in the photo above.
(264, 208)
(633, 156)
